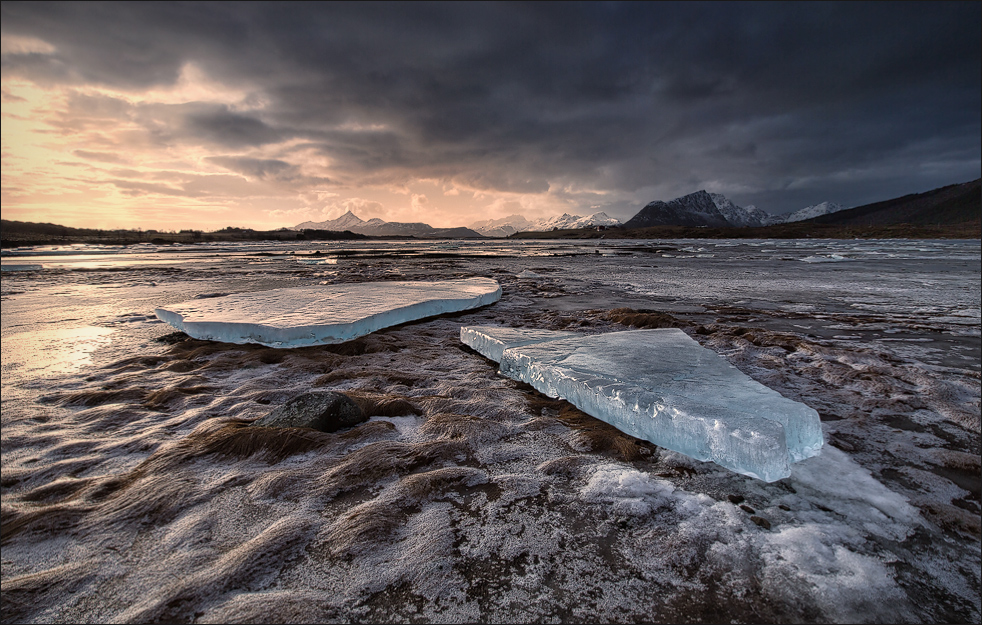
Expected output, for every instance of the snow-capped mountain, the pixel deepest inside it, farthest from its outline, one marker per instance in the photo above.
(502, 227)
(717, 211)
(378, 228)
(347, 221)
(735, 215)
(517, 223)
(596, 219)
(810, 212)
(558, 222)
(600, 219)
(765, 218)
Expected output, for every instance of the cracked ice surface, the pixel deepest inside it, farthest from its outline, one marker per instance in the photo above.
(662, 386)
(296, 317)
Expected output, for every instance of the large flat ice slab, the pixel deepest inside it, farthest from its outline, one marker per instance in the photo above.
(317, 315)
(491, 341)
(662, 386)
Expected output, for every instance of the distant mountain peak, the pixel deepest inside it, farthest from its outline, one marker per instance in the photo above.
(507, 226)
(695, 209)
(346, 221)
(816, 210)
(735, 215)
(376, 227)
(701, 209)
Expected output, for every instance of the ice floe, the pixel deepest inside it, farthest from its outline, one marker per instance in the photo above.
(491, 341)
(301, 316)
(662, 386)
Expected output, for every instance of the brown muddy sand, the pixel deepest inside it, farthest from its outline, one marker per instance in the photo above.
(467, 496)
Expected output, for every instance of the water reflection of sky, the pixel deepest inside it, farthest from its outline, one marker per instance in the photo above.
(904, 283)
(49, 352)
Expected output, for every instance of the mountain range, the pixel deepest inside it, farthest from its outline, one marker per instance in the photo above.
(953, 211)
(506, 226)
(951, 204)
(715, 210)
(491, 228)
(696, 209)
(376, 227)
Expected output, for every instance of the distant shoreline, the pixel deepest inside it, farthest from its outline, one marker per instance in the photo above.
(797, 230)
(21, 234)
(950, 212)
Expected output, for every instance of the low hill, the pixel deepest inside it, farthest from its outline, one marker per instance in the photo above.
(23, 233)
(376, 227)
(951, 205)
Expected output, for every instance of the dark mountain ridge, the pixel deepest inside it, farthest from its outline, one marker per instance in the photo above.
(949, 205)
(695, 209)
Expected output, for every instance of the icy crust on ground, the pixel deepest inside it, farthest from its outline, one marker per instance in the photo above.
(662, 386)
(298, 317)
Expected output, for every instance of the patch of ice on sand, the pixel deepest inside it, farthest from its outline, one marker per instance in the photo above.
(626, 490)
(850, 490)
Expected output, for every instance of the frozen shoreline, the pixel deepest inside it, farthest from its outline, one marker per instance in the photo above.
(132, 495)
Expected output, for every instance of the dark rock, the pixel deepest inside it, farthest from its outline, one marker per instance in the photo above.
(735, 499)
(784, 507)
(761, 522)
(747, 509)
(326, 411)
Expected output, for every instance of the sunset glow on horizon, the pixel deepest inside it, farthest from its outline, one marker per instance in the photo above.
(211, 115)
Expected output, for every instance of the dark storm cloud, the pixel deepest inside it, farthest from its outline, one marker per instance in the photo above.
(231, 129)
(270, 169)
(785, 104)
(254, 167)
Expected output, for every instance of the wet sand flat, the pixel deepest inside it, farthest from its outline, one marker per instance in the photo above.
(133, 490)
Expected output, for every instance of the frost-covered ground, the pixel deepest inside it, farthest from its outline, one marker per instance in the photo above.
(131, 491)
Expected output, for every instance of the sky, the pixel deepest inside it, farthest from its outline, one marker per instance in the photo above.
(200, 115)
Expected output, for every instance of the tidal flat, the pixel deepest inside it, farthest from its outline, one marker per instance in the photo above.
(133, 490)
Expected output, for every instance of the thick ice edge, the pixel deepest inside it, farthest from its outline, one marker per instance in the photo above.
(491, 341)
(662, 386)
(297, 317)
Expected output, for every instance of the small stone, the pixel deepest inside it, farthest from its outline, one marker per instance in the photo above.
(735, 499)
(747, 509)
(761, 522)
(784, 507)
(326, 411)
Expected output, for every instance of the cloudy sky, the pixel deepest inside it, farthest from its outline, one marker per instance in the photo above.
(193, 115)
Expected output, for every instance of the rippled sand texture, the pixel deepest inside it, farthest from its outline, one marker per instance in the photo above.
(134, 492)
